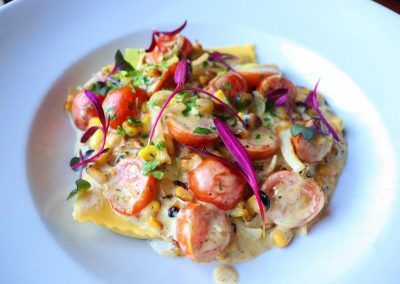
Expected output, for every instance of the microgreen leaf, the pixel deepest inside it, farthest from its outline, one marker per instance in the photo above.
(147, 167)
(308, 133)
(202, 130)
(81, 186)
(121, 63)
(182, 72)
(157, 174)
(74, 161)
(160, 145)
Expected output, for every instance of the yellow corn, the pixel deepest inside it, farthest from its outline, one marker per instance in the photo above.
(146, 127)
(203, 80)
(220, 95)
(97, 175)
(148, 153)
(281, 237)
(153, 221)
(130, 129)
(145, 108)
(241, 211)
(113, 139)
(102, 159)
(97, 138)
(205, 106)
(183, 194)
(155, 207)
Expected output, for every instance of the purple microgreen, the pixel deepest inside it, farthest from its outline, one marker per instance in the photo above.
(104, 129)
(239, 153)
(89, 133)
(204, 152)
(181, 76)
(119, 64)
(281, 97)
(80, 159)
(311, 101)
(319, 126)
(157, 33)
(217, 56)
(182, 73)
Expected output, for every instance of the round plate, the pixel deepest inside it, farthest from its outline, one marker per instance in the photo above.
(48, 46)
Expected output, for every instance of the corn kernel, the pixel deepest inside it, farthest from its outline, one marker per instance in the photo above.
(220, 95)
(178, 251)
(148, 153)
(102, 159)
(205, 106)
(155, 207)
(113, 140)
(130, 129)
(183, 194)
(145, 108)
(97, 175)
(281, 237)
(153, 221)
(146, 127)
(97, 138)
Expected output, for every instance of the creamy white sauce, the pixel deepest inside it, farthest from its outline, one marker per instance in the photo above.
(225, 274)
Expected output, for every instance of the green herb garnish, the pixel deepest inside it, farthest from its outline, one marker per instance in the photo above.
(134, 121)
(202, 130)
(81, 186)
(307, 132)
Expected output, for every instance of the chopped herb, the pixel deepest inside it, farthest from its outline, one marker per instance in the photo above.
(160, 145)
(269, 107)
(258, 166)
(147, 167)
(202, 130)
(81, 186)
(134, 121)
(205, 64)
(190, 104)
(222, 117)
(307, 132)
(258, 136)
(145, 136)
(157, 174)
(121, 131)
(234, 123)
(228, 86)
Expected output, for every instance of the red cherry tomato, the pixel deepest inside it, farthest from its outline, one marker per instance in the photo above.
(232, 84)
(132, 190)
(294, 201)
(123, 102)
(256, 74)
(82, 110)
(277, 82)
(182, 130)
(314, 150)
(202, 231)
(166, 80)
(214, 182)
(166, 43)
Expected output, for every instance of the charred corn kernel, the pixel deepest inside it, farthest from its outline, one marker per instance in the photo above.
(178, 251)
(155, 207)
(205, 106)
(102, 159)
(97, 175)
(336, 122)
(188, 162)
(220, 95)
(130, 129)
(155, 223)
(146, 127)
(183, 194)
(281, 237)
(148, 153)
(203, 80)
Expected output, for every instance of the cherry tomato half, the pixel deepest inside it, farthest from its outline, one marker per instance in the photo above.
(123, 102)
(214, 182)
(256, 74)
(294, 201)
(132, 191)
(203, 231)
(314, 150)
(82, 110)
(261, 144)
(182, 130)
(277, 82)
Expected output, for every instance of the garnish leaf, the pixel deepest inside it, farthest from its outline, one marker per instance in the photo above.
(147, 167)
(182, 72)
(97, 105)
(81, 186)
(74, 161)
(239, 153)
(308, 133)
(134, 121)
(202, 130)
(121, 63)
(311, 101)
(157, 174)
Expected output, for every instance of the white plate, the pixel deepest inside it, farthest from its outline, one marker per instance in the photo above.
(47, 46)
